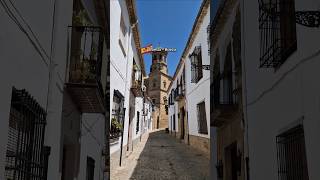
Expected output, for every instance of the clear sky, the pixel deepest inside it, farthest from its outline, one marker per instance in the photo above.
(168, 22)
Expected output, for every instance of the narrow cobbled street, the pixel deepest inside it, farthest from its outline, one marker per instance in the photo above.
(161, 156)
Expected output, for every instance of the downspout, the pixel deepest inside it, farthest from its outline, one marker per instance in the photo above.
(125, 90)
(245, 110)
(120, 162)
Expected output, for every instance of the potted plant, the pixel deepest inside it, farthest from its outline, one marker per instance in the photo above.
(80, 18)
(116, 127)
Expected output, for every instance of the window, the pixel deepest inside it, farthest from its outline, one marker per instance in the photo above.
(117, 115)
(277, 32)
(216, 79)
(26, 156)
(90, 168)
(154, 85)
(202, 119)
(122, 35)
(228, 78)
(164, 84)
(138, 122)
(154, 101)
(174, 122)
(196, 65)
(292, 160)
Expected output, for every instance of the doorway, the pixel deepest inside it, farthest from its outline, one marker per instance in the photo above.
(182, 123)
(158, 123)
(231, 162)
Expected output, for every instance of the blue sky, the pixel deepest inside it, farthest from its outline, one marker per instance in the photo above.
(168, 22)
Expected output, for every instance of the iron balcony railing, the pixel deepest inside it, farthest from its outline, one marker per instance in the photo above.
(84, 66)
(179, 92)
(85, 55)
(136, 88)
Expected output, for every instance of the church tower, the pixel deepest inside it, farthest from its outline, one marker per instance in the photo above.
(158, 84)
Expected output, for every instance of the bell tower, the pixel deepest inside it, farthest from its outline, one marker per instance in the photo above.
(158, 84)
(159, 61)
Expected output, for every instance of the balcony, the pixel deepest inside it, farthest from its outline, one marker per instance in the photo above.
(223, 113)
(83, 72)
(179, 93)
(136, 88)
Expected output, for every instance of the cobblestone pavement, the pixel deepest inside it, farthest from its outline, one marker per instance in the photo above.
(162, 157)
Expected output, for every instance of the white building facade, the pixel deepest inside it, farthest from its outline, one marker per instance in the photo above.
(39, 90)
(193, 80)
(127, 90)
(281, 93)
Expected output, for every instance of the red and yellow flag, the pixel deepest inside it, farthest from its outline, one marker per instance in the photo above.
(146, 49)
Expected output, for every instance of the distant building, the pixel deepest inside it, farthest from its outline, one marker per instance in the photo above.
(129, 106)
(189, 92)
(158, 83)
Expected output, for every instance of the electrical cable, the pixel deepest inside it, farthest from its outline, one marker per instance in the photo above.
(15, 20)
(311, 57)
(28, 26)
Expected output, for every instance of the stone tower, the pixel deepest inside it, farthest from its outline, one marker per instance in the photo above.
(158, 83)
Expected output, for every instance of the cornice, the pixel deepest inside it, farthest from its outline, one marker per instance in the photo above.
(195, 29)
(131, 7)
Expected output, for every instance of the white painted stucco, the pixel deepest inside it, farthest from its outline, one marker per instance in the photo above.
(195, 93)
(121, 65)
(198, 92)
(276, 100)
(23, 68)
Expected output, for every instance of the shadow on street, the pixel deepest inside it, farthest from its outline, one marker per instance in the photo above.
(164, 157)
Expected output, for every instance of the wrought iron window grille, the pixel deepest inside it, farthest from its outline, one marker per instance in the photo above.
(277, 24)
(26, 156)
(202, 119)
(196, 65)
(291, 154)
(308, 18)
(118, 115)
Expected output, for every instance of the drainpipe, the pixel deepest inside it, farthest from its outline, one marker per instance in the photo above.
(124, 111)
(125, 90)
(244, 97)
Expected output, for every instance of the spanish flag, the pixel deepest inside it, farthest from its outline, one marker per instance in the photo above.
(146, 49)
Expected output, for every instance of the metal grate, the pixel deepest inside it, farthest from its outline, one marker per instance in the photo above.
(26, 157)
(196, 65)
(277, 31)
(202, 119)
(117, 116)
(85, 54)
(292, 160)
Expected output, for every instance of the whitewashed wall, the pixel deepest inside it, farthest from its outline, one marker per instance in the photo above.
(196, 93)
(121, 66)
(92, 144)
(23, 68)
(290, 94)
